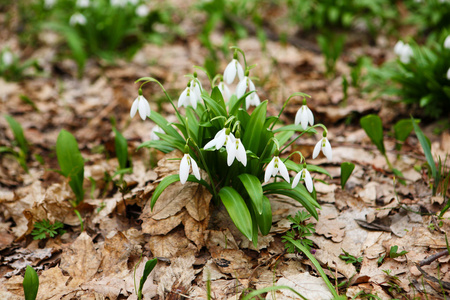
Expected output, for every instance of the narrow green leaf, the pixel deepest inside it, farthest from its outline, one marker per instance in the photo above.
(293, 127)
(71, 162)
(265, 218)
(18, 133)
(254, 190)
(254, 129)
(149, 266)
(238, 211)
(160, 145)
(121, 146)
(346, 170)
(374, 129)
(217, 96)
(215, 107)
(168, 129)
(426, 148)
(30, 284)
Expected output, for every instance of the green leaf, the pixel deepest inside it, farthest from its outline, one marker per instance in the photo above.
(30, 284)
(237, 209)
(160, 145)
(426, 148)
(299, 193)
(374, 129)
(71, 162)
(293, 127)
(402, 129)
(18, 133)
(255, 128)
(346, 170)
(215, 107)
(217, 96)
(264, 219)
(121, 146)
(254, 190)
(393, 252)
(149, 266)
(168, 129)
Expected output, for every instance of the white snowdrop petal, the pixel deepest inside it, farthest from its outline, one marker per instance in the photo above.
(283, 171)
(296, 179)
(183, 97)
(310, 116)
(142, 108)
(184, 169)
(308, 181)
(230, 72)
(298, 117)
(220, 138)
(269, 170)
(210, 144)
(304, 118)
(317, 149)
(241, 154)
(240, 70)
(241, 87)
(134, 107)
(231, 149)
(195, 169)
(327, 149)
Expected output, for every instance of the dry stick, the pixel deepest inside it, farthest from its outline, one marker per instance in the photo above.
(445, 285)
(432, 258)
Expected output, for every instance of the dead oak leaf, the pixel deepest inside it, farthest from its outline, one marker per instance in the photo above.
(81, 260)
(115, 254)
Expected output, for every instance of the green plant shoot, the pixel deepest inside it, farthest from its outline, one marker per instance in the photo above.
(346, 170)
(30, 283)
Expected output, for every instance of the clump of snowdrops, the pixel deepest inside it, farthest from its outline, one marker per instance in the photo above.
(240, 152)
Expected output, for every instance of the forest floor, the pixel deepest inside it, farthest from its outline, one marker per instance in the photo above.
(193, 239)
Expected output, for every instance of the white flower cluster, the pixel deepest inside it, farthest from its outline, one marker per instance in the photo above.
(403, 51)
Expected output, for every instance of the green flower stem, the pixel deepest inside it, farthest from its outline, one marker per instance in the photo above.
(286, 102)
(151, 79)
(305, 131)
(243, 55)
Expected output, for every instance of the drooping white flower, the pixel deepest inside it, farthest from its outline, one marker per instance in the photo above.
(447, 42)
(140, 104)
(190, 96)
(185, 166)
(48, 4)
(153, 133)
(235, 149)
(221, 138)
(306, 177)
(276, 165)
(403, 51)
(142, 11)
(233, 68)
(83, 3)
(323, 145)
(304, 116)
(77, 18)
(448, 74)
(118, 3)
(243, 85)
(7, 58)
(225, 90)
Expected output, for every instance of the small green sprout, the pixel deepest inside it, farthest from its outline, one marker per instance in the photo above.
(30, 284)
(394, 254)
(45, 229)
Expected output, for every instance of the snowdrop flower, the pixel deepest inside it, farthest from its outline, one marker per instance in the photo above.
(225, 90)
(276, 165)
(190, 96)
(140, 104)
(404, 52)
(448, 74)
(323, 145)
(304, 116)
(118, 3)
(153, 135)
(235, 149)
(447, 42)
(221, 138)
(83, 3)
(233, 68)
(142, 11)
(306, 177)
(48, 4)
(7, 58)
(185, 166)
(77, 18)
(253, 98)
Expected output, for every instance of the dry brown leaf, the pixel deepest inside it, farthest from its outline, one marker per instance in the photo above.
(233, 262)
(107, 287)
(177, 277)
(163, 226)
(81, 261)
(198, 205)
(53, 284)
(195, 230)
(171, 245)
(115, 254)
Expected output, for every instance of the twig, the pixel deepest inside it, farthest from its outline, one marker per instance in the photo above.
(444, 284)
(432, 258)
